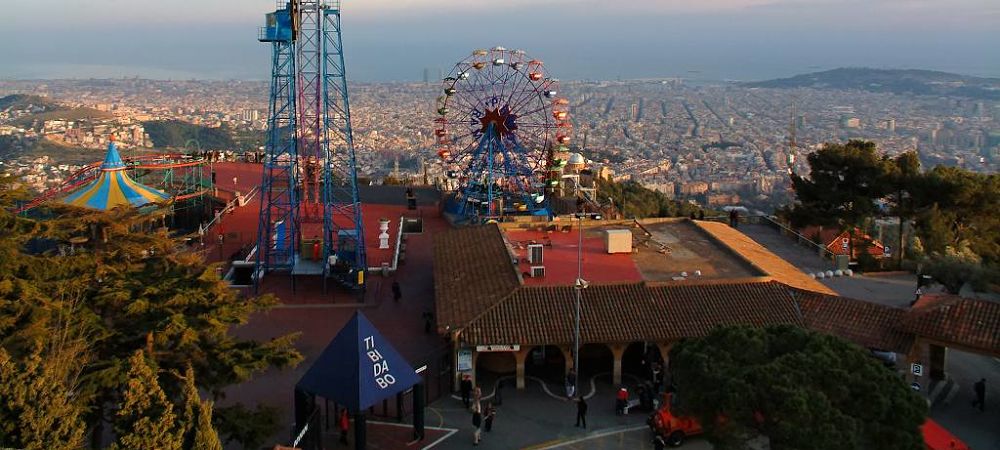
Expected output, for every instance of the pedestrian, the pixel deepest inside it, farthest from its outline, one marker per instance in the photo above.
(657, 377)
(477, 422)
(428, 322)
(980, 388)
(701, 214)
(658, 443)
(497, 397)
(466, 388)
(344, 423)
(621, 400)
(581, 411)
(571, 383)
(477, 396)
(488, 417)
(396, 293)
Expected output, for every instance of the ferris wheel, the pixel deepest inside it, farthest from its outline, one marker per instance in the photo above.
(500, 122)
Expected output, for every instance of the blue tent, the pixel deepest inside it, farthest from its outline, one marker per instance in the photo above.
(359, 368)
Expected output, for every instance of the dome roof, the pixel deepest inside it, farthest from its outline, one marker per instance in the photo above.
(576, 158)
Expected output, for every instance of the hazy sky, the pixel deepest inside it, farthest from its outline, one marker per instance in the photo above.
(578, 39)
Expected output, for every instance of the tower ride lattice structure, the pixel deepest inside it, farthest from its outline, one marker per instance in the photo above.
(312, 176)
(277, 230)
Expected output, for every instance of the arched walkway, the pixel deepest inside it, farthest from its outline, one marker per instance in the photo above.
(639, 358)
(595, 359)
(546, 362)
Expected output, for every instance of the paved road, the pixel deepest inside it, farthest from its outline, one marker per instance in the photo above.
(534, 418)
(981, 430)
(639, 439)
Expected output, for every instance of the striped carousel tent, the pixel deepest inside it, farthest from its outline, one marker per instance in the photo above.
(113, 187)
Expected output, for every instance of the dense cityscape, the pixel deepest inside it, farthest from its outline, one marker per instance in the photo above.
(712, 225)
(717, 144)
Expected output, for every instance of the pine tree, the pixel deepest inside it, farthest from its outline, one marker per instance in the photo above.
(38, 410)
(196, 420)
(127, 283)
(205, 436)
(146, 419)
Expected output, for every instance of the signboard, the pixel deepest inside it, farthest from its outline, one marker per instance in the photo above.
(464, 359)
(917, 369)
(915, 386)
(301, 435)
(498, 348)
(380, 366)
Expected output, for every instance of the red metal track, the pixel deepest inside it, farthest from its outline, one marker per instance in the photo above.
(89, 172)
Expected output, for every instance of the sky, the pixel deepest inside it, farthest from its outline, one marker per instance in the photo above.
(395, 40)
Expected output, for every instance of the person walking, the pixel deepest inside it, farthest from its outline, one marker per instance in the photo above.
(477, 422)
(396, 293)
(488, 417)
(344, 423)
(581, 411)
(466, 387)
(980, 389)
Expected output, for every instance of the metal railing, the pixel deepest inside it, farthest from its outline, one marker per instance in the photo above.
(820, 250)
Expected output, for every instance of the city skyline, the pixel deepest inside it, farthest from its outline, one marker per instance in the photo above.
(579, 39)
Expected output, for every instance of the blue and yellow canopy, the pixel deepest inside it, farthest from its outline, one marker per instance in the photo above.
(113, 187)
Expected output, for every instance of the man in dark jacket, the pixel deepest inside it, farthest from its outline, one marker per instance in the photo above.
(581, 411)
(466, 388)
(396, 292)
(980, 388)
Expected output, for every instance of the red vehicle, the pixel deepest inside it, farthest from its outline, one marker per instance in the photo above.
(675, 429)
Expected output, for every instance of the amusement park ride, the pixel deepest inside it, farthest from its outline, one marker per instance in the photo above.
(177, 176)
(309, 125)
(500, 128)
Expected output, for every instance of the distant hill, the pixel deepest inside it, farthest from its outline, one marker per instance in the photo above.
(919, 82)
(176, 133)
(61, 113)
(23, 101)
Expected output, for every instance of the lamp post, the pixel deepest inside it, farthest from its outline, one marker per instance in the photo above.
(580, 285)
(579, 290)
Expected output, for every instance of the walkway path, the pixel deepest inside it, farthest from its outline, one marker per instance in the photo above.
(802, 257)
(531, 418)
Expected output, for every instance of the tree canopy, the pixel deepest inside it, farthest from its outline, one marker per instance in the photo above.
(635, 200)
(844, 182)
(953, 211)
(123, 285)
(800, 389)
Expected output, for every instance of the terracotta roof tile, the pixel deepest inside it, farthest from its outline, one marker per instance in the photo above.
(472, 271)
(951, 319)
(629, 312)
(867, 324)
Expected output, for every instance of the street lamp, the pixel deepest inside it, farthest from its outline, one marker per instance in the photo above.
(579, 286)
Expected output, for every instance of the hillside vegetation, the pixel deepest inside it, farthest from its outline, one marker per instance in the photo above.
(178, 134)
(896, 81)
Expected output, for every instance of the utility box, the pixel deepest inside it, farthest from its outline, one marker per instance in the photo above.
(618, 241)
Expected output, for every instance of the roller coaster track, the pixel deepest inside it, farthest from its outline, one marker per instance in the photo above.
(90, 172)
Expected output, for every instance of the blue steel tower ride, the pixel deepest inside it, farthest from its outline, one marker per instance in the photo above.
(343, 233)
(277, 231)
(310, 148)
